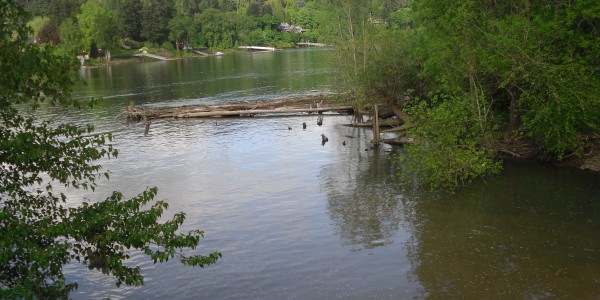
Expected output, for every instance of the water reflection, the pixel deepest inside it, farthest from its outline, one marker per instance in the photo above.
(366, 213)
(211, 80)
(531, 233)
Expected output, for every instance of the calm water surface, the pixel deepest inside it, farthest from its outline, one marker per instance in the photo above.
(298, 220)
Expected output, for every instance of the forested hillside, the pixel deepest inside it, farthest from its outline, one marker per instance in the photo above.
(79, 25)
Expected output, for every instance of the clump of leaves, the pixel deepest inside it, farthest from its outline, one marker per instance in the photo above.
(40, 232)
(450, 152)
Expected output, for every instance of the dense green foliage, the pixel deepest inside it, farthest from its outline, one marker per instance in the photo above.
(210, 24)
(42, 230)
(213, 24)
(478, 76)
(450, 153)
(97, 25)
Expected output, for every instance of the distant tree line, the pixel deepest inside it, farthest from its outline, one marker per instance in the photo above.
(79, 25)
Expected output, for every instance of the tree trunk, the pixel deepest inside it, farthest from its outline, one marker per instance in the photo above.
(386, 123)
(513, 125)
(352, 41)
(397, 109)
(365, 45)
(375, 125)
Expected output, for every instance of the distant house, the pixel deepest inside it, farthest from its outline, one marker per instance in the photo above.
(83, 57)
(34, 40)
(285, 27)
(376, 21)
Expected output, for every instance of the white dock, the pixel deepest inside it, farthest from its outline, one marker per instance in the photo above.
(158, 57)
(257, 48)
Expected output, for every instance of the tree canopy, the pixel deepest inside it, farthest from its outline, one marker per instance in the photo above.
(97, 25)
(474, 78)
(41, 229)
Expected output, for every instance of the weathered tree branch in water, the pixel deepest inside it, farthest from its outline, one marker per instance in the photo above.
(255, 112)
(316, 104)
(403, 140)
(375, 126)
(397, 109)
(385, 122)
(401, 128)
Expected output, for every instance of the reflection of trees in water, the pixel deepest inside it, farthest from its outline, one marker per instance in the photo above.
(530, 233)
(364, 207)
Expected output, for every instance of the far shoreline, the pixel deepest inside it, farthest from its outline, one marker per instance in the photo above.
(122, 59)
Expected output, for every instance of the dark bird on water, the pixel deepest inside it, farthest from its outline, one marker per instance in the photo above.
(319, 121)
(344, 143)
(303, 125)
(289, 127)
(324, 139)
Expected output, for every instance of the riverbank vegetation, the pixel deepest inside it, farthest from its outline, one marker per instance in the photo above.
(43, 229)
(476, 80)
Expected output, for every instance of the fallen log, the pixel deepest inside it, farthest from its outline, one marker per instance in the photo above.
(375, 126)
(312, 104)
(403, 127)
(385, 112)
(385, 122)
(401, 141)
(206, 114)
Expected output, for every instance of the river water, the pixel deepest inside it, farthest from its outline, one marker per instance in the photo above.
(296, 219)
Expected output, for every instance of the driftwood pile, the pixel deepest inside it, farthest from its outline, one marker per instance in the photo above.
(314, 104)
(317, 104)
(384, 118)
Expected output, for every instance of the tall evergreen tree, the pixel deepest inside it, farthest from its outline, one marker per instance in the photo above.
(155, 18)
(129, 19)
